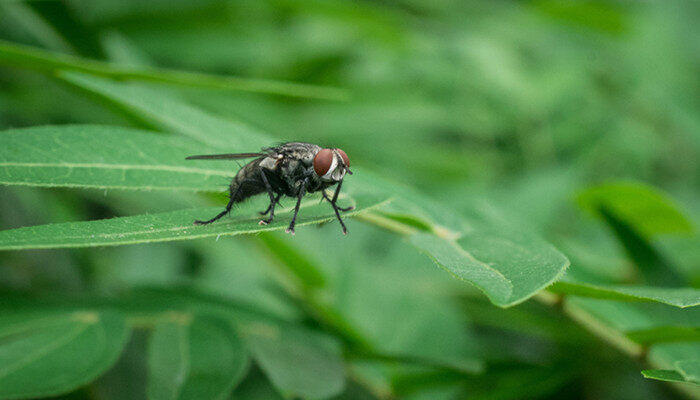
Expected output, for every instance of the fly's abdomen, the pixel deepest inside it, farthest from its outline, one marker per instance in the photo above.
(247, 182)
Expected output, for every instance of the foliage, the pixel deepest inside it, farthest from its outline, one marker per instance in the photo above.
(545, 154)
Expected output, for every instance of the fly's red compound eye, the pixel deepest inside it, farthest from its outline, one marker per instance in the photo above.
(345, 158)
(323, 161)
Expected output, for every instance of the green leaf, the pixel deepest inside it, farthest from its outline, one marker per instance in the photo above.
(194, 359)
(663, 334)
(256, 387)
(294, 261)
(644, 208)
(508, 383)
(601, 17)
(22, 14)
(47, 62)
(630, 324)
(298, 362)
(669, 355)
(630, 317)
(652, 265)
(90, 156)
(50, 353)
(678, 297)
(690, 369)
(166, 112)
(508, 267)
(667, 375)
(177, 225)
(493, 258)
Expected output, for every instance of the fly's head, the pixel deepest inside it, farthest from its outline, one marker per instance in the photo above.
(331, 165)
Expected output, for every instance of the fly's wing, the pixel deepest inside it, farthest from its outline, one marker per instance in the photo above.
(233, 156)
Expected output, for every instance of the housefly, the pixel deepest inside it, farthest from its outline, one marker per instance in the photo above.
(291, 169)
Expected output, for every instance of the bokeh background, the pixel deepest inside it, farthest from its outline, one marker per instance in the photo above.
(513, 107)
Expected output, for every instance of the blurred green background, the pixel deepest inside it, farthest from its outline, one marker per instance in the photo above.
(510, 109)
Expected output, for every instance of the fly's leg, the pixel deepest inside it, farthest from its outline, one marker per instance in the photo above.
(267, 210)
(337, 209)
(335, 199)
(273, 200)
(302, 191)
(337, 213)
(227, 210)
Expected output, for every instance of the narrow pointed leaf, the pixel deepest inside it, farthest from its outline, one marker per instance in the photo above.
(177, 225)
(106, 157)
(168, 113)
(665, 334)
(667, 375)
(15, 55)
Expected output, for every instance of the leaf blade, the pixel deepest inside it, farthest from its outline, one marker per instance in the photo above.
(15, 55)
(169, 226)
(494, 262)
(170, 114)
(677, 297)
(634, 203)
(690, 369)
(35, 348)
(210, 359)
(667, 375)
(298, 362)
(92, 156)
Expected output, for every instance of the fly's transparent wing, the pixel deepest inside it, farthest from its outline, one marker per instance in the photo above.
(232, 156)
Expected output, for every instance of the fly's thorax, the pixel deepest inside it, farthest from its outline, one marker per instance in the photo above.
(271, 162)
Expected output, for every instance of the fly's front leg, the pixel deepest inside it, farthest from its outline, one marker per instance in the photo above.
(337, 210)
(302, 192)
(335, 199)
(273, 200)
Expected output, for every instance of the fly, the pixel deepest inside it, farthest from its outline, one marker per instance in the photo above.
(291, 169)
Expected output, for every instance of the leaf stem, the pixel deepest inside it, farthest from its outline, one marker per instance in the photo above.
(386, 223)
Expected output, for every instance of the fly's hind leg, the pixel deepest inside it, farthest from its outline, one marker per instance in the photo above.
(270, 209)
(267, 210)
(232, 196)
(273, 200)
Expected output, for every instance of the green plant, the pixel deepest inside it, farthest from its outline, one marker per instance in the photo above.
(471, 182)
